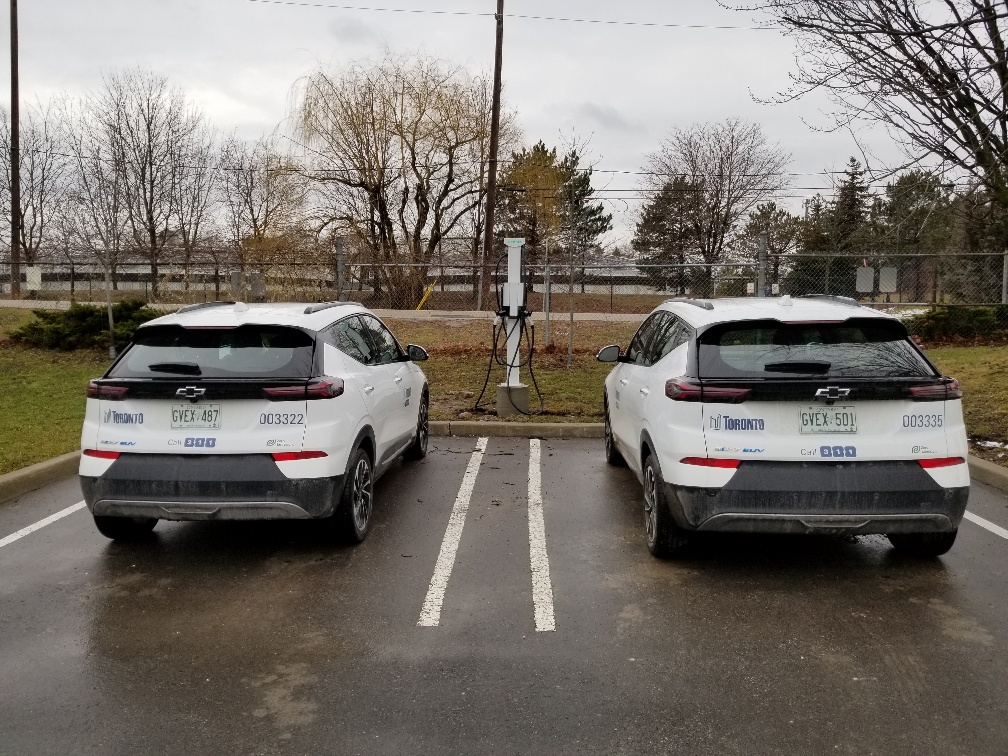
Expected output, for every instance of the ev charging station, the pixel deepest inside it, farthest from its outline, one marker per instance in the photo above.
(512, 395)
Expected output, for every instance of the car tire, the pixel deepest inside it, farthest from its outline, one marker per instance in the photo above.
(418, 449)
(923, 544)
(125, 528)
(664, 538)
(356, 505)
(612, 455)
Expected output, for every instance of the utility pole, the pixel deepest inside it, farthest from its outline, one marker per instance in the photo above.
(491, 198)
(15, 159)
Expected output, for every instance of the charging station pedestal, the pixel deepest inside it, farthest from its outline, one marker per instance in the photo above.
(512, 395)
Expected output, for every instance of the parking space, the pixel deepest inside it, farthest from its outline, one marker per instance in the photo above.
(564, 638)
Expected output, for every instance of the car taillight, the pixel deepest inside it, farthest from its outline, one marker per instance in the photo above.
(940, 462)
(730, 464)
(101, 454)
(324, 388)
(724, 395)
(318, 388)
(292, 456)
(936, 392)
(684, 391)
(97, 390)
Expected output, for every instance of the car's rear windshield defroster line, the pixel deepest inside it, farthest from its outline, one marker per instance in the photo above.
(769, 350)
(248, 351)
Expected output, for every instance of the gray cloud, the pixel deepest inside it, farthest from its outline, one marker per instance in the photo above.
(608, 117)
(353, 31)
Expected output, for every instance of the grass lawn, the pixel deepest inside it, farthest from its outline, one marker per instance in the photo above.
(42, 393)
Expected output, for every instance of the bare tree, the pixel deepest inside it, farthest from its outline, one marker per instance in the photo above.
(727, 169)
(397, 149)
(262, 192)
(147, 121)
(97, 199)
(194, 189)
(43, 172)
(935, 74)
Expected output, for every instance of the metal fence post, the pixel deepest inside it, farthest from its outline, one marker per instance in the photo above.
(761, 272)
(1004, 278)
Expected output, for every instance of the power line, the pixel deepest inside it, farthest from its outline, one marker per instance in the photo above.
(523, 16)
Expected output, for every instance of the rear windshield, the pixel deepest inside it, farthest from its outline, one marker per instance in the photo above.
(856, 348)
(248, 351)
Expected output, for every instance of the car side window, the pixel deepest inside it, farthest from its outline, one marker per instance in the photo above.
(386, 347)
(350, 337)
(637, 351)
(666, 338)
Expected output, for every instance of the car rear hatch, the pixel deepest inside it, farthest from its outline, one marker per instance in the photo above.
(857, 389)
(208, 390)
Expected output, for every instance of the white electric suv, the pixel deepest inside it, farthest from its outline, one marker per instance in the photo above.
(228, 411)
(786, 415)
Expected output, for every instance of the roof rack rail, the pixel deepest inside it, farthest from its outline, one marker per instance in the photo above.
(202, 306)
(849, 301)
(310, 309)
(703, 304)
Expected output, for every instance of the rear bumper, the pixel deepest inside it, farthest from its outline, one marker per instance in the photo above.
(207, 487)
(821, 497)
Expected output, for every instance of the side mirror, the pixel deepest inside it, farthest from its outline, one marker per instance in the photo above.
(416, 353)
(609, 353)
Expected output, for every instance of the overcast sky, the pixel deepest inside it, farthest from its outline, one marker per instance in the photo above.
(621, 87)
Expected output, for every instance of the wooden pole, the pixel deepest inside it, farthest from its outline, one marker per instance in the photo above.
(491, 198)
(15, 148)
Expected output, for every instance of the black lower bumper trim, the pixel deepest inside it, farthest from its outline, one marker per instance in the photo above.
(848, 497)
(200, 487)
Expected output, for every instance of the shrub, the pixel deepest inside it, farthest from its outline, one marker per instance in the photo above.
(83, 326)
(948, 323)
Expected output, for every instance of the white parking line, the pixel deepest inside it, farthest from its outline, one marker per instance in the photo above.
(17, 536)
(542, 589)
(995, 529)
(430, 615)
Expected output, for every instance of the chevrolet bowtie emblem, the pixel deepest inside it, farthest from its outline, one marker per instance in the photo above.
(192, 393)
(831, 393)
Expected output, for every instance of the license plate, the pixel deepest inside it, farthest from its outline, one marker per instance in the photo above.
(195, 416)
(827, 420)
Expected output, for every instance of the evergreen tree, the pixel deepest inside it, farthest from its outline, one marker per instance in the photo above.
(664, 236)
(583, 219)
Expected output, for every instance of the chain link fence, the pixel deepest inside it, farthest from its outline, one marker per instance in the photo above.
(901, 283)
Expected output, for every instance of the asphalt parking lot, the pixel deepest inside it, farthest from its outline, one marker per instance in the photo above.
(488, 614)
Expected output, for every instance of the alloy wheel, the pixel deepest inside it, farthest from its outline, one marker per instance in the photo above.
(650, 512)
(362, 493)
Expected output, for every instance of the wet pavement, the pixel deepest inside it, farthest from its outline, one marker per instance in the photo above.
(263, 638)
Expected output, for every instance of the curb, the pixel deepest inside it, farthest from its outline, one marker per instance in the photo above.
(476, 428)
(988, 473)
(27, 479)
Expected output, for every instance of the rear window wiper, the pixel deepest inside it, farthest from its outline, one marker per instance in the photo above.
(181, 368)
(815, 367)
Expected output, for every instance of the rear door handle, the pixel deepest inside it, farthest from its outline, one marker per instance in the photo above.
(369, 390)
(624, 381)
(645, 391)
(398, 379)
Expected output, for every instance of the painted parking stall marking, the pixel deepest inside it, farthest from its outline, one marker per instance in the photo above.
(542, 588)
(986, 524)
(18, 535)
(430, 615)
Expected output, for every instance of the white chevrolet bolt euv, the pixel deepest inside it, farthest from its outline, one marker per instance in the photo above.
(228, 411)
(786, 415)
